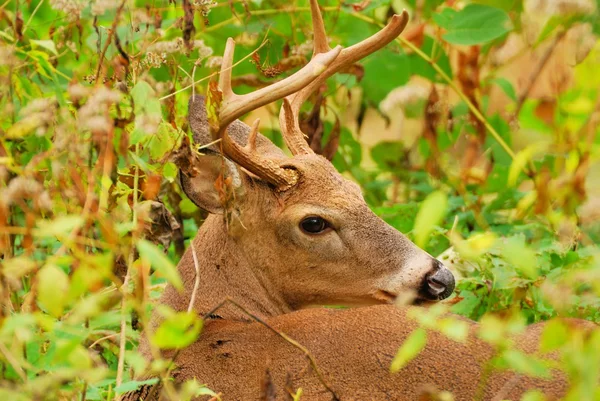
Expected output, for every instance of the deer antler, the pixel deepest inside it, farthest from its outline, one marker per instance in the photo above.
(234, 106)
(288, 116)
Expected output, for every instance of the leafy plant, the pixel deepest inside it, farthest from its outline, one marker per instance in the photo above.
(481, 163)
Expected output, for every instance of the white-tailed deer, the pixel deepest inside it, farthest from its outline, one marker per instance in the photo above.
(286, 233)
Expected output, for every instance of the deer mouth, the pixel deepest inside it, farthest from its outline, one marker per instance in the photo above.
(385, 296)
(388, 297)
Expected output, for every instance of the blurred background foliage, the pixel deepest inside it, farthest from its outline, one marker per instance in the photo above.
(475, 132)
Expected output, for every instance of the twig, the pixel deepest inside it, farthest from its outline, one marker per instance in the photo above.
(123, 338)
(13, 362)
(84, 391)
(196, 280)
(290, 340)
(32, 15)
(214, 74)
(103, 338)
(36, 233)
(537, 71)
(111, 32)
(507, 387)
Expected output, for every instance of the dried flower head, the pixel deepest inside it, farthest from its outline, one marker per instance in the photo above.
(7, 55)
(203, 50)
(38, 115)
(303, 49)
(154, 60)
(584, 39)
(167, 46)
(72, 8)
(204, 6)
(402, 97)
(94, 115)
(560, 7)
(78, 92)
(99, 7)
(214, 62)
(22, 188)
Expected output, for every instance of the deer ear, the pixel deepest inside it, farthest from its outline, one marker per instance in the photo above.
(215, 184)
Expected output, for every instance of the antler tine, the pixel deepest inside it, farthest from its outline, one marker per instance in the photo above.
(234, 106)
(288, 116)
(320, 44)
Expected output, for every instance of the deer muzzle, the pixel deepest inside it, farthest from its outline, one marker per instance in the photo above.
(438, 284)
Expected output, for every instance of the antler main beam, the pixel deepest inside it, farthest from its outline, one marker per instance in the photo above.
(288, 116)
(234, 106)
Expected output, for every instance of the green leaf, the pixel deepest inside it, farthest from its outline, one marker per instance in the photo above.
(506, 87)
(163, 141)
(409, 350)
(388, 155)
(474, 24)
(46, 44)
(526, 364)
(467, 306)
(518, 254)
(521, 159)
(169, 171)
(178, 331)
(60, 226)
(385, 63)
(555, 335)
(533, 395)
(160, 262)
(52, 287)
(401, 216)
(444, 18)
(141, 93)
(432, 212)
(134, 385)
(455, 328)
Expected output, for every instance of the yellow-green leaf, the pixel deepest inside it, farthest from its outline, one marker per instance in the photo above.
(60, 226)
(178, 331)
(526, 364)
(160, 262)
(431, 213)
(409, 350)
(46, 44)
(521, 256)
(555, 335)
(52, 287)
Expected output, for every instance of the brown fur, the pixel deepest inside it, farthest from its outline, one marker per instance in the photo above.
(354, 349)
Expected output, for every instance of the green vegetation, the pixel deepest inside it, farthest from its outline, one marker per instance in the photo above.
(495, 166)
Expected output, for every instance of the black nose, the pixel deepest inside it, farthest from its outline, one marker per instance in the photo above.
(438, 284)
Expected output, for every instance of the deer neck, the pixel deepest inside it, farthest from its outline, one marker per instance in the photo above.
(225, 271)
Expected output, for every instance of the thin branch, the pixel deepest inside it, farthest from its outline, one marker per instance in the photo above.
(103, 338)
(13, 362)
(196, 279)
(40, 234)
(32, 15)
(123, 338)
(507, 387)
(536, 72)
(111, 32)
(214, 74)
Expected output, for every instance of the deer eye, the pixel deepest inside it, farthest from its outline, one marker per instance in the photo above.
(314, 225)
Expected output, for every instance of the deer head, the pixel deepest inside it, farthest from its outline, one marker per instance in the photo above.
(295, 222)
